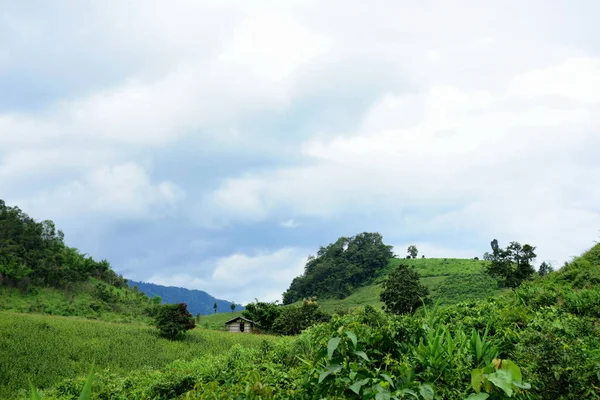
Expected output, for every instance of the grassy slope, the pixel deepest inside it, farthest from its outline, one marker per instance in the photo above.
(217, 321)
(51, 348)
(449, 280)
(79, 301)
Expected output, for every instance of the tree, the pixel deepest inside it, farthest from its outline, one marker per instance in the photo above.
(215, 307)
(412, 251)
(172, 320)
(340, 267)
(294, 319)
(232, 306)
(197, 318)
(263, 313)
(512, 265)
(402, 292)
(545, 268)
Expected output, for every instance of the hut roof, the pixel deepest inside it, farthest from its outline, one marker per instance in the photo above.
(236, 318)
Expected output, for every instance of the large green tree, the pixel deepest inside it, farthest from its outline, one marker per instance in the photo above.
(402, 292)
(338, 268)
(512, 265)
(172, 320)
(263, 313)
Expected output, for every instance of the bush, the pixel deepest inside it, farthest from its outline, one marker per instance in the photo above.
(172, 320)
(295, 319)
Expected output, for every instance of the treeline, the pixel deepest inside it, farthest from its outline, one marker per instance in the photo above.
(34, 254)
(340, 267)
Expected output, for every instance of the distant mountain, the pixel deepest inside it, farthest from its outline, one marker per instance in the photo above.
(198, 301)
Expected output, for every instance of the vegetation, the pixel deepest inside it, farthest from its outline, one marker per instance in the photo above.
(539, 340)
(402, 292)
(512, 265)
(172, 320)
(49, 349)
(294, 319)
(340, 267)
(412, 251)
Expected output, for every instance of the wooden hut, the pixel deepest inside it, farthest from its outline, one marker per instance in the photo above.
(241, 325)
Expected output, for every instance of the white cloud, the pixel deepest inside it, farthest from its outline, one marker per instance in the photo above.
(441, 148)
(290, 223)
(123, 190)
(264, 275)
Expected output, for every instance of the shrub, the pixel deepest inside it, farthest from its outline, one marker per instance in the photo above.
(172, 320)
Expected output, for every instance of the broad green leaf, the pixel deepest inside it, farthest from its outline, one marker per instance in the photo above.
(502, 379)
(362, 354)
(352, 337)
(34, 395)
(332, 345)
(522, 385)
(86, 393)
(426, 391)
(387, 378)
(330, 370)
(513, 369)
(478, 396)
(476, 379)
(409, 392)
(359, 384)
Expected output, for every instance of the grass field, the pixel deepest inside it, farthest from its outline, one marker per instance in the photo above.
(51, 348)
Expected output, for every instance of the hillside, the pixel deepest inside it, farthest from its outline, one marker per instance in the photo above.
(40, 273)
(198, 301)
(449, 280)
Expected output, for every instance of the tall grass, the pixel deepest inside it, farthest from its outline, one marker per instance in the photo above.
(48, 349)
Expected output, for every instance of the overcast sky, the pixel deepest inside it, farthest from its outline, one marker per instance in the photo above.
(215, 145)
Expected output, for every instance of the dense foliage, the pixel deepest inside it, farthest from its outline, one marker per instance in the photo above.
(341, 267)
(172, 320)
(294, 319)
(512, 265)
(402, 292)
(34, 253)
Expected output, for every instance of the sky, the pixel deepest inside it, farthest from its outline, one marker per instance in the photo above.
(215, 145)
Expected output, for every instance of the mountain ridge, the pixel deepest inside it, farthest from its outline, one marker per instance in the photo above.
(198, 301)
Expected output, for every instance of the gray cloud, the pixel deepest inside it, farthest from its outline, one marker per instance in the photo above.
(146, 127)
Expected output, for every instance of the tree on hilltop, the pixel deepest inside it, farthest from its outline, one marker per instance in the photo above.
(340, 267)
(412, 251)
(512, 265)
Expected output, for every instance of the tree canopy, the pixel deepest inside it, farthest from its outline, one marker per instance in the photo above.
(338, 268)
(512, 265)
(34, 253)
(172, 320)
(402, 292)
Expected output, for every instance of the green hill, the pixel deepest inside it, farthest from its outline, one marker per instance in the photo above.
(449, 280)
(40, 273)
